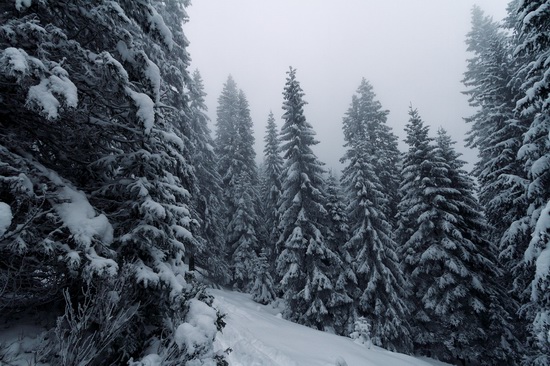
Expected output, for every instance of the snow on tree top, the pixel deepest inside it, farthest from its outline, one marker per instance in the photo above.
(21, 4)
(44, 94)
(16, 58)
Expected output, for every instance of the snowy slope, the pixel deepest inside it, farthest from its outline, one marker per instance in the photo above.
(258, 336)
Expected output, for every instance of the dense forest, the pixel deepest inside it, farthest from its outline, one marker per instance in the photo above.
(119, 205)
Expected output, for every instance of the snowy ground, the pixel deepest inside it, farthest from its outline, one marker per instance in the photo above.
(258, 336)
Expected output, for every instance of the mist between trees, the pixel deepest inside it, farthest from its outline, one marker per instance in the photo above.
(119, 207)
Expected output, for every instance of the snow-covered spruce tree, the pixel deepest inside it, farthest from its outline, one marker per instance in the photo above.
(361, 332)
(207, 198)
(241, 235)
(97, 120)
(263, 290)
(366, 112)
(503, 344)
(418, 175)
(382, 289)
(341, 304)
(497, 131)
(537, 254)
(496, 128)
(271, 185)
(236, 164)
(305, 264)
(532, 24)
(443, 253)
(226, 121)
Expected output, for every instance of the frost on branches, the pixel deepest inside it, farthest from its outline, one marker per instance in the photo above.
(539, 254)
(305, 263)
(361, 333)
(531, 21)
(381, 287)
(237, 168)
(443, 250)
(98, 176)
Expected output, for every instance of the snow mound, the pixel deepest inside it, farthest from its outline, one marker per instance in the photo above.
(199, 328)
(5, 217)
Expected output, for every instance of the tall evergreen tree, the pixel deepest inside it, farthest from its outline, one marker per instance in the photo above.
(241, 235)
(207, 198)
(537, 254)
(497, 131)
(504, 341)
(305, 262)
(366, 112)
(382, 288)
(532, 24)
(443, 251)
(496, 128)
(341, 304)
(224, 144)
(273, 166)
(416, 167)
(235, 148)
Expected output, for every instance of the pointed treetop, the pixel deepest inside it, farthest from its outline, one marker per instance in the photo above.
(416, 130)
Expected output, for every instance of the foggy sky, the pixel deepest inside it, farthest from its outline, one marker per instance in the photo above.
(411, 51)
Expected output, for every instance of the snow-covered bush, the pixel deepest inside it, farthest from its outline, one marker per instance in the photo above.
(361, 335)
(188, 339)
(263, 290)
(88, 330)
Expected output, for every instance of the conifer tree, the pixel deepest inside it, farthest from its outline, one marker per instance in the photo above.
(366, 112)
(382, 288)
(95, 131)
(341, 304)
(273, 165)
(236, 165)
(496, 128)
(224, 144)
(263, 290)
(207, 198)
(497, 131)
(537, 254)
(532, 21)
(415, 168)
(241, 235)
(305, 262)
(443, 251)
(504, 341)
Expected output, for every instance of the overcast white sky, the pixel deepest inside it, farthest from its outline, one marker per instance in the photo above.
(412, 51)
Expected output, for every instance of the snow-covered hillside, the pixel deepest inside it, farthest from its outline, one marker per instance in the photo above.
(258, 336)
